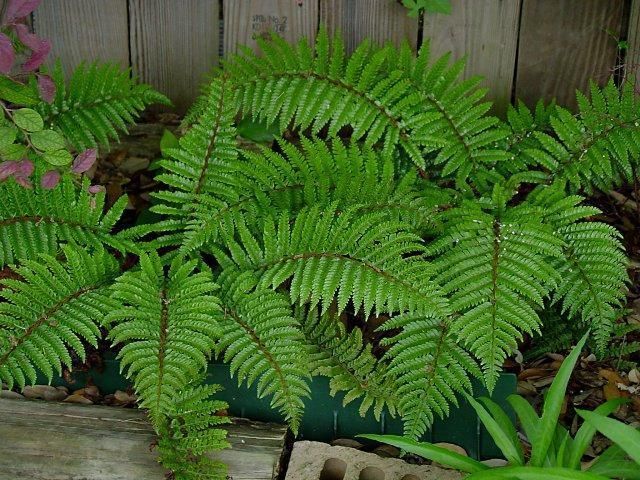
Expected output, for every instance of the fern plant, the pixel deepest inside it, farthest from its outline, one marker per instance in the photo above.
(389, 196)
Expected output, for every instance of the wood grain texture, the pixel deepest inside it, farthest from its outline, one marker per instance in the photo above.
(486, 32)
(174, 44)
(57, 441)
(89, 30)
(246, 19)
(632, 61)
(563, 44)
(378, 20)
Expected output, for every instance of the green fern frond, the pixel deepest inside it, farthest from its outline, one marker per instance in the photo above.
(366, 258)
(462, 136)
(190, 433)
(493, 263)
(262, 343)
(348, 362)
(266, 183)
(599, 147)
(35, 221)
(592, 270)
(168, 325)
(196, 170)
(51, 311)
(428, 368)
(98, 102)
(320, 87)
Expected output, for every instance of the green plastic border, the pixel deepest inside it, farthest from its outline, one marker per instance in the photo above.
(325, 417)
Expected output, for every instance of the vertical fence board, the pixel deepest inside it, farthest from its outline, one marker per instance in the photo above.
(486, 32)
(90, 30)
(632, 62)
(378, 20)
(174, 43)
(246, 19)
(563, 45)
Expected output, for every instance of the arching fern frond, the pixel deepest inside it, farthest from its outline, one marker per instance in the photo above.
(267, 183)
(599, 147)
(168, 325)
(197, 170)
(51, 311)
(428, 369)
(348, 362)
(262, 343)
(493, 263)
(100, 101)
(190, 433)
(34, 221)
(367, 259)
(464, 138)
(593, 268)
(314, 88)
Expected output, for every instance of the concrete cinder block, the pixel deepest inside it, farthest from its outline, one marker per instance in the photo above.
(320, 461)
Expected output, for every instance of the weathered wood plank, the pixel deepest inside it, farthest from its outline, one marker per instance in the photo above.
(56, 441)
(486, 33)
(632, 61)
(90, 30)
(174, 43)
(246, 19)
(563, 45)
(378, 20)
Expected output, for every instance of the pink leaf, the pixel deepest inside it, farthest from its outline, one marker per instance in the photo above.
(24, 181)
(28, 39)
(50, 179)
(7, 169)
(25, 168)
(84, 161)
(7, 55)
(37, 57)
(93, 189)
(19, 9)
(47, 88)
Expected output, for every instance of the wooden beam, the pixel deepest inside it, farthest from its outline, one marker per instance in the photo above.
(44, 440)
(86, 30)
(174, 44)
(565, 44)
(632, 61)
(486, 33)
(244, 20)
(378, 20)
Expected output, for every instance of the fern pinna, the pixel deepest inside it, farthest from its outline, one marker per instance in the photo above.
(389, 197)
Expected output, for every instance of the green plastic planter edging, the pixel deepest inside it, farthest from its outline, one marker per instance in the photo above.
(325, 418)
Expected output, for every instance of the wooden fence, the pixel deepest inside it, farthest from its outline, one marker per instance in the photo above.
(527, 49)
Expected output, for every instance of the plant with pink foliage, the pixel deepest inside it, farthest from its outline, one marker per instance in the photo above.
(41, 130)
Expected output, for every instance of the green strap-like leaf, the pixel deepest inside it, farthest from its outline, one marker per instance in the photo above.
(534, 473)
(627, 437)
(553, 405)
(431, 452)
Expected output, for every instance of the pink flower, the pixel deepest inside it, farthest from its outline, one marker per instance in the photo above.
(50, 179)
(7, 169)
(93, 189)
(18, 9)
(25, 168)
(47, 88)
(28, 39)
(7, 55)
(84, 161)
(37, 57)
(24, 181)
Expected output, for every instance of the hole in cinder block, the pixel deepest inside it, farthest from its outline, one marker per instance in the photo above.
(371, 473)
(410, 477)
(334, 469)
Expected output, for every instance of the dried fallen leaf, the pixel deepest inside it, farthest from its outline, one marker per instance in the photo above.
(78, 399)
